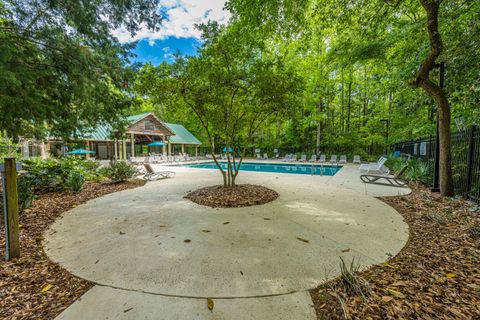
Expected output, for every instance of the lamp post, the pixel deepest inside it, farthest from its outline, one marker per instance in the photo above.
(436, 168)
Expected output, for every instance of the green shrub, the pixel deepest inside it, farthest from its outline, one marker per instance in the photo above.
(395, 163)
(419, 171)
(119, 171)
(26, 191)
(75, 181)
(60, 174)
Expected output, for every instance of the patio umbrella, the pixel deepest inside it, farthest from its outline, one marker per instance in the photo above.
(80, 151)
(156, 144)
(229, 149)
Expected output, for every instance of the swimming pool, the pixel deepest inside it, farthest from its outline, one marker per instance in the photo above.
(296, 168)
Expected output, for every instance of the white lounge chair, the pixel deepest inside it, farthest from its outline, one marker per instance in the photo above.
(313, 158)
(356, 159)
(343, 159)
(375, 168)
(322, 158)
(153, 175)
(265, 156)
(386, 179)
(293, 158)
(275, 151)
(259, 157)
(287, 157)
(333, 159)
(303, 158)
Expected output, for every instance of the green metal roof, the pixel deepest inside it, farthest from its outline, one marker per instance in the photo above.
(182, 135)
(101, 132)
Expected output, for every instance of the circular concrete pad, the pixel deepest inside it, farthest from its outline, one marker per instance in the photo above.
(150, 239)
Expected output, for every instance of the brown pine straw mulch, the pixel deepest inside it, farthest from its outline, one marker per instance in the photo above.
(242, 195)
(435, 276)
(22, 280)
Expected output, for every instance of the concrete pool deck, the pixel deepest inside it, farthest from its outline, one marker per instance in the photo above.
(255, 262)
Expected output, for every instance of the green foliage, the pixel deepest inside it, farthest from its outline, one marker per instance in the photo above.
(26, 193)
(75, 181)
(8, 148)
(417, 170)
(119, 171)
(59, 174)
(61, 68)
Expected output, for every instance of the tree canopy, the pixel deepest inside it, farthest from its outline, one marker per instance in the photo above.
(61, 70)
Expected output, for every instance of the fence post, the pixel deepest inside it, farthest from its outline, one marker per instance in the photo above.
(12, 235)
(471, 152)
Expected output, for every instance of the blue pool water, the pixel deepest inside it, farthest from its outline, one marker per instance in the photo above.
(316, 169)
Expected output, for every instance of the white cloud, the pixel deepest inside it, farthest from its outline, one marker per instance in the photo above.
(182, 16)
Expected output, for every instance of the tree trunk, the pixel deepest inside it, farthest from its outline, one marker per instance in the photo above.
(319, 127)
(438, 95)
(342, 121)
(279, 133)
(349, 104)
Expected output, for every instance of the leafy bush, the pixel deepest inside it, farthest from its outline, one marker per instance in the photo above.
(26, 193)
(8, 148)
(75, 181)
(395, 163)
(119, 171)
(419, 171)
(60, 174)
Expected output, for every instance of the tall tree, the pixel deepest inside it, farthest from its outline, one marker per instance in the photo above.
(61, 69)
(432, 8)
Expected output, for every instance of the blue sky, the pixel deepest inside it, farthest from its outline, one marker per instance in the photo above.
(177, 32)
(162, 50)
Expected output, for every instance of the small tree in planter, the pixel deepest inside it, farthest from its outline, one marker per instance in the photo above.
(232, 86)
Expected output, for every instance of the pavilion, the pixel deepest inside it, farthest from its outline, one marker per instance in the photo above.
(142, 130)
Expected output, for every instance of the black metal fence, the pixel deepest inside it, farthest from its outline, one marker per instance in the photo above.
(465, 159)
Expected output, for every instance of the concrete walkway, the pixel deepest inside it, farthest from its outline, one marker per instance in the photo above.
(155, 255)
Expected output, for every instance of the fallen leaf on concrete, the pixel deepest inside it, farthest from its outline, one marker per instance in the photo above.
(187, 240)
(346, 250)
(304, 240)
(210, 304)
(206, 231)
(126, 310)
(226, 222)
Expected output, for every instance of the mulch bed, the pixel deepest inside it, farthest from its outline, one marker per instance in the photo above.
(435, 276)
(33, 287)
(243, 195)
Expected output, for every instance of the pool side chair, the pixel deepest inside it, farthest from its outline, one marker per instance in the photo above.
(343, 159)
(265, 156)
(322, 158)
(333, 159)
(356, 159)
(153, 175)
(259, 157)
(375, 168)
(386, 179)
(286, 158)
(313, 158)
(293, 158)
(380, 162)
(303, 158)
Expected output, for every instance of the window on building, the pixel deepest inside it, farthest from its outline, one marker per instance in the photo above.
(149, 126)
